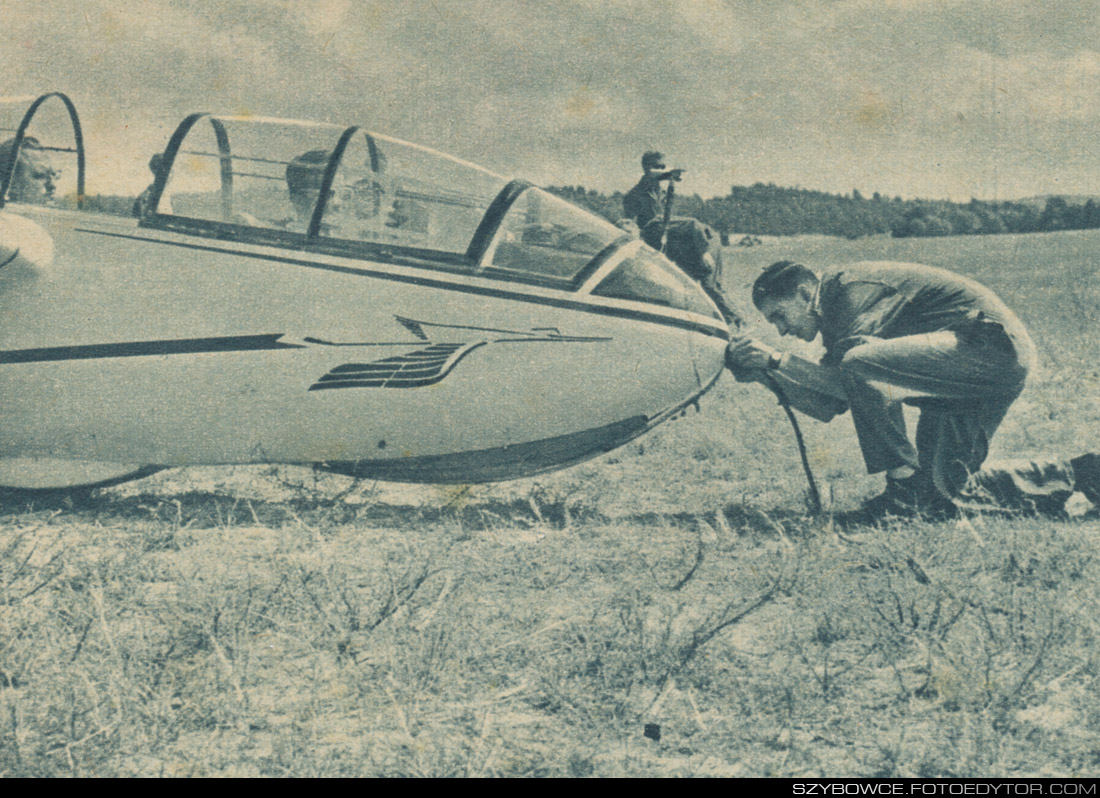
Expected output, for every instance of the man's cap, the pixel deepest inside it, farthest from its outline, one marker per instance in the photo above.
(653, 160)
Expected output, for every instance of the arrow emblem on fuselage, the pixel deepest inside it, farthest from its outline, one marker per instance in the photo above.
(427, 365)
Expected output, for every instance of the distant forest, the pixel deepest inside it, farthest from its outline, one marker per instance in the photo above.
(767, 209)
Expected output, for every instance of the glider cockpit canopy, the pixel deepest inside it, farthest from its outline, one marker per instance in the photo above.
(287, 182)
(351, 192)
(346, 191)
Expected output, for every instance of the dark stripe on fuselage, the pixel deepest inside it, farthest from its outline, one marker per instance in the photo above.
(427, 282)
(503, 462)
(181, 346)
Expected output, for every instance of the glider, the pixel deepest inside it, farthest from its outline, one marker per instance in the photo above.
(308, 293)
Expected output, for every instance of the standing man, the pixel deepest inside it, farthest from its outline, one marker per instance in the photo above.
(901, 333)
(645, 202)
(687, 242)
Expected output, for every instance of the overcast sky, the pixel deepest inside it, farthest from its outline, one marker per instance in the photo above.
(933, 98)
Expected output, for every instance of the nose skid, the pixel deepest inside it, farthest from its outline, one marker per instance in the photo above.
(690, 373)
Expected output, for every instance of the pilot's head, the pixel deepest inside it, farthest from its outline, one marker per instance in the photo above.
(304, 176)
(34, 178)
(653, 161)
(351, 199)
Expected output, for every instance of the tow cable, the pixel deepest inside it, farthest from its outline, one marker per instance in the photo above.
(784, 402)
(769, 382)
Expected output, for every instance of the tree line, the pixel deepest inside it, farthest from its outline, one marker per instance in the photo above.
(767, 209)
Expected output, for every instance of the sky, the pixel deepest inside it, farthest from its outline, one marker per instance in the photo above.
(995, 99)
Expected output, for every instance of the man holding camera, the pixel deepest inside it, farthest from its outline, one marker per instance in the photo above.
(687, 242)
(645, 202)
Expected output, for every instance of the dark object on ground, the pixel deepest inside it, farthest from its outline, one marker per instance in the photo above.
(749, 241)
(1086, 471)
(1037, 487)
(903, 498)
(653, 731)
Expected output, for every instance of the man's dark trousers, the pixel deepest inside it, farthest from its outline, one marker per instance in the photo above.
(963, 382)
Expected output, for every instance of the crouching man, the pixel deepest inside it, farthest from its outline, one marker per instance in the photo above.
(896, 334)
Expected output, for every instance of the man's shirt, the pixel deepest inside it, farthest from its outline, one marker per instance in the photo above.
(645, 202)
(890, 300)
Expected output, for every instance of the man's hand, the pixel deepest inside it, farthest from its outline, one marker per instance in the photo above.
(749, 359)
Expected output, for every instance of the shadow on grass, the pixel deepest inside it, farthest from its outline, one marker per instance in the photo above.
(204, 509)
(212, 509)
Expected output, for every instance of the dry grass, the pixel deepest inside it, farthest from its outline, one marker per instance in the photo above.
(666, 610)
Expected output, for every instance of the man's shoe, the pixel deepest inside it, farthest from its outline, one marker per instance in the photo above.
(1086, 476)
(905, 498)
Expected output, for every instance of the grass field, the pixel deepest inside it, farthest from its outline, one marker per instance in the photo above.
(668, 609)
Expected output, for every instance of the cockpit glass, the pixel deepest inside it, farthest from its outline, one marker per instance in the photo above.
(649, 277)
(269, 174)
(391, 192)
(249, 171)
(352, 192)
(545, 236)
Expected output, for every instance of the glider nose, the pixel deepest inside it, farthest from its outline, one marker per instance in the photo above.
(708, 351)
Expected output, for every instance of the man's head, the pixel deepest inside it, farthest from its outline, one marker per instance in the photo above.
(34, 178)
(361, 199)
(653, 161)
(304, 176)
(784, 293)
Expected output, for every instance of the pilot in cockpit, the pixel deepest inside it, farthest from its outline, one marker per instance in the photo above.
(377, 200)
(304, 176)
(143, 205)
(353, 201)
(361, 204)
(34, 179)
